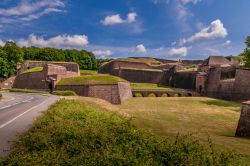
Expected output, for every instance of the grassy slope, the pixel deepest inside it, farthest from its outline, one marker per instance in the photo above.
(201, 116)
(33, 70)
(27, 91)
(88, 72)
(93, 79)
(148, 86)
(80, 133)
(198, 115)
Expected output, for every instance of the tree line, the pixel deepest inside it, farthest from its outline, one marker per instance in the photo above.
(246, 53)
(11, 54)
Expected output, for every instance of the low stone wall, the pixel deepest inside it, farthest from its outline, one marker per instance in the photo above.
(243, 128)
(160, 93)
(36, 80)
(115, 94)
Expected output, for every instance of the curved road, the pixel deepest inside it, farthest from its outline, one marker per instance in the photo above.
(17, 114)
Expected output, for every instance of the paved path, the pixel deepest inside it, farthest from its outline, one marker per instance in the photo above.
(17, 114)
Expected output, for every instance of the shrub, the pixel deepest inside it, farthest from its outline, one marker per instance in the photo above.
(1, 96)
(164, 95)
(138, 95)
(64, 93)
(152, 95)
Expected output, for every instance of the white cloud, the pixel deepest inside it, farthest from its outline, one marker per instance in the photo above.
(112, 20)
(159, 49)
(228, 42)
(102, 53)
(116, 19)
(131, 17)
(60, 41)
(190, 1)
(182, 51)
(29, 10)
(140, 49)
(26, 7)
(2, 43)
(215, 30)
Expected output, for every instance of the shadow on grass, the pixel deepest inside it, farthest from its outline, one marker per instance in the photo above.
(222, 103)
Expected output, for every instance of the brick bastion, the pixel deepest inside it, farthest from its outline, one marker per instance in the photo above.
(115, 92)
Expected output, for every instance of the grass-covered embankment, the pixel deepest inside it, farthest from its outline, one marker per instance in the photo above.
(33, 70)
(149, 86)
(88, 72)
(64, 93)
(90, 79)
(27, 91)
(79, 133)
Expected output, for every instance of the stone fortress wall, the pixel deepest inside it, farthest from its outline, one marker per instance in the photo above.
(237, 88)
(114, 94)
(41, 80)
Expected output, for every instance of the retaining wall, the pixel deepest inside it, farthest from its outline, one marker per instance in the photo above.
(115, 94)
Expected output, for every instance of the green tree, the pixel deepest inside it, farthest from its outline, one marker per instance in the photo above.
(14, 55)
(246, 53)
(50, 54)
(4, 65)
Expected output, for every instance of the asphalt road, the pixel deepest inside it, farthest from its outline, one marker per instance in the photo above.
(17, 114)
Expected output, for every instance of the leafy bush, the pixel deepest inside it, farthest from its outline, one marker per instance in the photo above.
(1, 96)
(138, 95)
(164, 95)
(152, 95)
(64, 93)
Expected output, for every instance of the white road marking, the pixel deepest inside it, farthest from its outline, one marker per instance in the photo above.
(10, 121)
(24, 101)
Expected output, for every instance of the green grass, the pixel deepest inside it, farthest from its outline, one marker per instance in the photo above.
(33, 70)
(222, 103)
(80, 133)
(94, 79)
(149, 86)
(203, 116)
(88, 72)
(28, 91)
(64, 93)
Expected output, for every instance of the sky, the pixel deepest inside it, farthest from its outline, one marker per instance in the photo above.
(170, 29)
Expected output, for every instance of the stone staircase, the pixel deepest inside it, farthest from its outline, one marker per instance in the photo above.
(8, 83)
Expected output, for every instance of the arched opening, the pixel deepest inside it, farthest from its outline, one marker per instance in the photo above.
(164, 95)
(138, 95)
(152, 95)
(177, 95)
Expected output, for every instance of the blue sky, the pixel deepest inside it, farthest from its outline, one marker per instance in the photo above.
(172, 29)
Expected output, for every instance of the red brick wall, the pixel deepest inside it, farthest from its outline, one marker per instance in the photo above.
(115, 94)
(31, 81)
